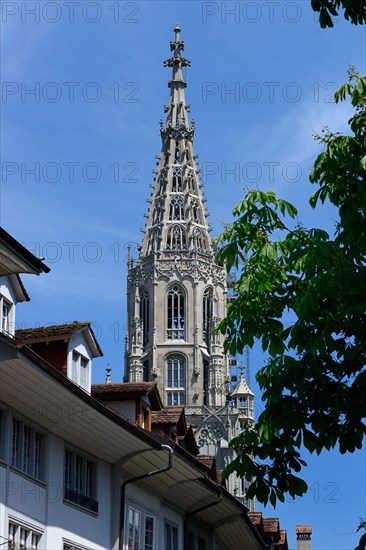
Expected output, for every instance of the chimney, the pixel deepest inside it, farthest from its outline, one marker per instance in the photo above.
(303, 536)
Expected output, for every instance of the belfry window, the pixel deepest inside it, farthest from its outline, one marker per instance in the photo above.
(176, 153)
(176, 209)
(175, 314)
(176, 376)
(176, 238)
(207, 310)
(177, 180)
(144, 315)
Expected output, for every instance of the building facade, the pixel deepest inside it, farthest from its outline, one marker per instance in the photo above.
(83, 469)
(177, 293)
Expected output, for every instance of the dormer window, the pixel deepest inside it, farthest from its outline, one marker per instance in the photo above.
(80, 370)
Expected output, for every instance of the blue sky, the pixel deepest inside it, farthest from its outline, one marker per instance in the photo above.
(261, 83)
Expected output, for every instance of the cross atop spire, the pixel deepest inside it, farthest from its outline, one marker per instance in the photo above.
(177, 61)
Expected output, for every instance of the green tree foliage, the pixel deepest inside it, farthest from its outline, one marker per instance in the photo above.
(362, 542)
(354, 11)
(302, 293)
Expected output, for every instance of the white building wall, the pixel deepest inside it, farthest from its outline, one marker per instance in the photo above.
(40, 504)
(7, 293)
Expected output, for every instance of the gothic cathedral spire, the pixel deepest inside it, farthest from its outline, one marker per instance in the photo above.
(176, 291)
(177, 220)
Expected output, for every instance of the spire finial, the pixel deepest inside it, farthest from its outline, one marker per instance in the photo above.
(177, 61)
(177, 30)
(108, 379)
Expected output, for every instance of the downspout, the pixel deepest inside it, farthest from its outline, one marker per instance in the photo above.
(133, 480)
(193, 512)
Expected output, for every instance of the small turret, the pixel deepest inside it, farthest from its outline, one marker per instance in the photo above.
(243, 399)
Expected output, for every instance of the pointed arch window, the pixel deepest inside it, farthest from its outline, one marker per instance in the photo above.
(195, 211)
(176, 209)
(177, 180)
(207, 310)
(176, 379)
(144, 315)
(176, 238)
(200, 241)
(175, 313)
(176, 153)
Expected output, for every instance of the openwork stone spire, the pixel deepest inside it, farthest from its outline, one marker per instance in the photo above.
(177, 219)
(176, 291)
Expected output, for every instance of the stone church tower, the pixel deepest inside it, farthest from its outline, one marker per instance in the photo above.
(177, 294)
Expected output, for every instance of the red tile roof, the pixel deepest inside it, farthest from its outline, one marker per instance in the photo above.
(207, 460)
(269, 529)
(168, 415)
(303, 529)
(255, 517)
(123, 391)
(124, 387)
(52, 331)
(55, 332)
(270, 525)
(282, 542)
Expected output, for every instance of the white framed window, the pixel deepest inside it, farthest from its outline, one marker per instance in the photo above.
(141, 530)
(6, 308)
(80, 480)
(176, 379)
(23, 537)
(80, 370)
(171, 536)
(26, 449)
